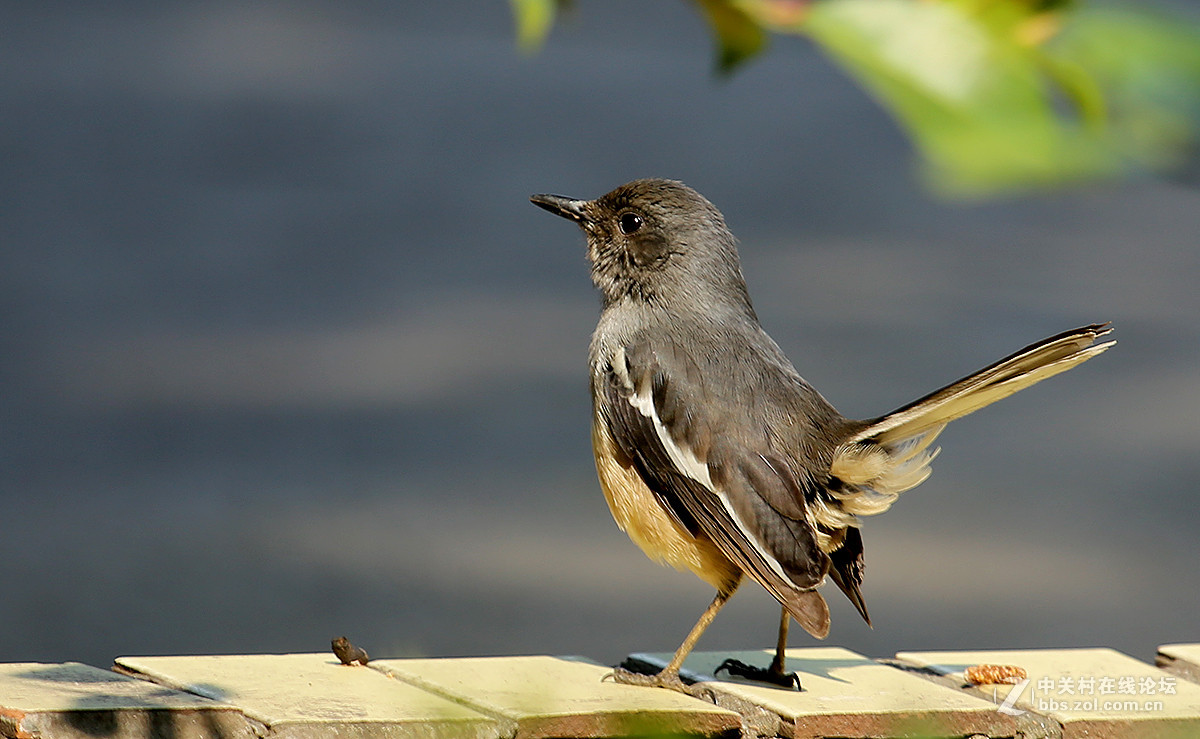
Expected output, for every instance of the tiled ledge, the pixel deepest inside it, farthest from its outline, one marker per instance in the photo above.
(1097, 693)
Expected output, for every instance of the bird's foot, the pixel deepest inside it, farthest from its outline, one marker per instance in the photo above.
(665, 679)
(772, 675)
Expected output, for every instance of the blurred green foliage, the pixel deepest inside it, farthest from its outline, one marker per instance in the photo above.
(534, 20)
(996, 95)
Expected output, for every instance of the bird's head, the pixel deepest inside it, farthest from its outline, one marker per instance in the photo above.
(657, 241)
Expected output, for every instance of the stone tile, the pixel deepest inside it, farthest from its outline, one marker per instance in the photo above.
(848, 695)
(73, 700)
(543, 696)
(1095, 693)
(313, 695)
(1180, 659)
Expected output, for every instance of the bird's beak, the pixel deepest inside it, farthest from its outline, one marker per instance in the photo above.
(559, 205)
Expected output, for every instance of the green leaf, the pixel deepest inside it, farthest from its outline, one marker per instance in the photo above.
(995, 94)
(1148, 67)
(739, 37)
(978, 103)
(534, 20)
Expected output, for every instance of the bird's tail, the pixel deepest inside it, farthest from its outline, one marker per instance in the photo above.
(891, 454)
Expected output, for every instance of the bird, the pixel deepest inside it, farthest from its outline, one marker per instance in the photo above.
(713, 453)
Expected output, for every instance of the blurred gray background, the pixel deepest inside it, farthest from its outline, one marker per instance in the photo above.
(287, 354)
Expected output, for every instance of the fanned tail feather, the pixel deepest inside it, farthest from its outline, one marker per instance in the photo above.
(892, 454)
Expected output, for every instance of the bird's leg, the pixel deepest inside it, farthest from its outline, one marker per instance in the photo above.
(669, 676)
(776, 667)
(773, 674)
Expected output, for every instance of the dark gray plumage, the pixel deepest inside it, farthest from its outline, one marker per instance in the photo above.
(712, 451)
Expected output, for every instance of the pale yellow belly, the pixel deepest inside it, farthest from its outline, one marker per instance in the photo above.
(639, 514)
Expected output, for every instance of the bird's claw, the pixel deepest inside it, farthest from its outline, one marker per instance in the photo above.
(664, 679)
(768, 675)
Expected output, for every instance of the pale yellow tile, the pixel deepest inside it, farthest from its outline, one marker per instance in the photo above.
(75, 700)
(1090, 692)
(1180, 659)
(561, 696)
(315, 690)
(848, 695)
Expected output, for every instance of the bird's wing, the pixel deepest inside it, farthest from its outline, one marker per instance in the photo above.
(744, 500)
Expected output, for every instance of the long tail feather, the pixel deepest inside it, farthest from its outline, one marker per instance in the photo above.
(892, 453)
(1018, 371)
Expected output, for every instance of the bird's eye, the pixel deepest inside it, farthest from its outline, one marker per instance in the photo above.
(629, 223)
